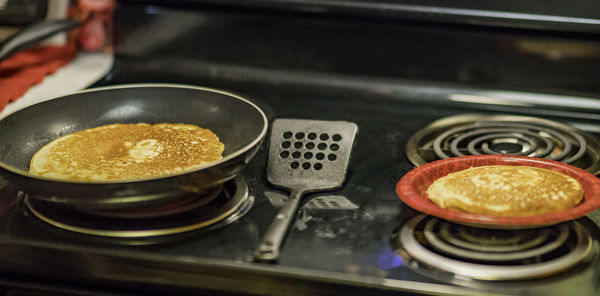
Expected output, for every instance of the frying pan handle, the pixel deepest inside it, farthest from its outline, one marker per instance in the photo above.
(268, 249)
(34, 34)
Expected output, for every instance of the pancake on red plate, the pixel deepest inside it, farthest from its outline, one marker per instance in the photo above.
(504, 190)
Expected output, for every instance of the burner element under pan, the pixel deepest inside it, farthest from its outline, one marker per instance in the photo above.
(232, 202)
(516, 135)
(493, 255)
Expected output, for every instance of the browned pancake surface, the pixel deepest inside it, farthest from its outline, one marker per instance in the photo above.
(502, 190)
(120, 152)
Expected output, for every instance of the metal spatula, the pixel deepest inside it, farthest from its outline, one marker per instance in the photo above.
(304, 156)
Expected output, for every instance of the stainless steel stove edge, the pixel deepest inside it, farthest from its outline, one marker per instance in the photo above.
(127, 270)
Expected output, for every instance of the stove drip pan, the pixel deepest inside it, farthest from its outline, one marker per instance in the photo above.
(503, 134)
(218, 208)
(493, 255)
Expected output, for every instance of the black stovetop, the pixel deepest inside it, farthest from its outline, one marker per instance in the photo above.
(327, 252)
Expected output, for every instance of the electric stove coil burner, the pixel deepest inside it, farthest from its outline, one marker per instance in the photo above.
(487, 247)
(229, 204)
(486, 254)
(510, 138)
(514, 135)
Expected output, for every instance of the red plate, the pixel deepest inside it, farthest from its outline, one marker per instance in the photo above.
(412, 187)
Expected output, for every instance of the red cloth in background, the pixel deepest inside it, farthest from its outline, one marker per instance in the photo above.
(29, 67)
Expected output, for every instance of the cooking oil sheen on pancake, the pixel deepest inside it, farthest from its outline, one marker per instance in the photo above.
(503, 190)
(120, 152)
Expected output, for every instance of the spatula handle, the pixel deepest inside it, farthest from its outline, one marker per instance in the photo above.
(268, 250)
(33, 34)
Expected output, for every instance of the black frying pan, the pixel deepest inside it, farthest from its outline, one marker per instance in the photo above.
(238, 123)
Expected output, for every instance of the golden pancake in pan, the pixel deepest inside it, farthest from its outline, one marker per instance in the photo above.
(122, 152)
(504, 190)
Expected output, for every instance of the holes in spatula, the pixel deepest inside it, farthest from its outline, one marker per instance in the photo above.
(320, 156)
(308, 155)
(311, 136)
(287, 135)
(336, 137)
(286, 144)
(332, 157)
(284, 154)
(297, 145)
(324, 137)
(309, 145)
(334, 147)
(318, 166)
(299, 135)
(322, 146)
(296, 154)
(306, 165)
(294, 164)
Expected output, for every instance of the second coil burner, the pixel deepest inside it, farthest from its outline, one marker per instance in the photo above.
(218, 208)
(504, 134)
(493, 255)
